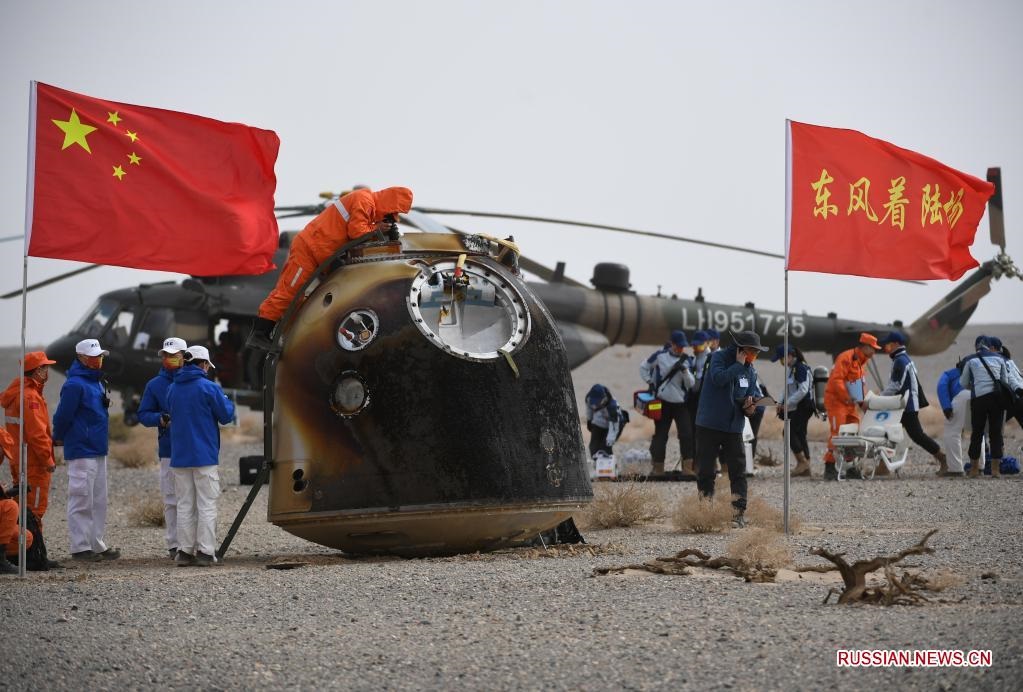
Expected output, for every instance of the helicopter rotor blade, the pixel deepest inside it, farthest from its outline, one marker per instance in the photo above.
(617, 229)
(994, 209)
(602, 227)
(52, 280)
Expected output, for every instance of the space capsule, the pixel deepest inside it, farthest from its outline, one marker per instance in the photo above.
(423, 405)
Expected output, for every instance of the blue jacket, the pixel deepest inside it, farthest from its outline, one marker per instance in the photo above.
(725, 385)
(948, 387)
(903, 379)
(196, 405)
(153, 405)
(81, 419)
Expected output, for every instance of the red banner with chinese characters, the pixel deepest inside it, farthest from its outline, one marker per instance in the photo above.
(140, 187)
(863, 206)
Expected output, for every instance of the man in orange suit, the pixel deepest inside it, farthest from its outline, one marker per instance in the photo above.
(845, 393)
(353, 215)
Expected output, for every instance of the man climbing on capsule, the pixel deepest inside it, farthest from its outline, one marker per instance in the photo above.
(348, 217)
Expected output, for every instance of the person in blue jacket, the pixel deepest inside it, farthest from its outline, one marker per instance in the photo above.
(904, 381)
(797, 404)
(197, 405)
(955, 404)
(726, 400)
(604, 419)
(81, 425)
(155, 413)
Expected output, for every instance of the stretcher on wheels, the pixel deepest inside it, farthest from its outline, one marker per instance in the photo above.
(878, 438)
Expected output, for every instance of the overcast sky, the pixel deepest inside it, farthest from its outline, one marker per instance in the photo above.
(666, 116)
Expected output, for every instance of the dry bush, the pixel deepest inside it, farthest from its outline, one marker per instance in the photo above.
(932, 420)
(147, 511)
(622, 504)
(250, 427)
(137, 453)
(761, 514)
(759, 549)
(771, 427)
(767, 457)
(944, 579)
(696, 514)
(118, 431)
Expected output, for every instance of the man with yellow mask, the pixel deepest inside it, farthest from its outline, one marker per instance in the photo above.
(155, 413)
(82, 425)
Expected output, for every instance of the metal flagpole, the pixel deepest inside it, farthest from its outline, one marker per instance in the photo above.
(785, 343)
(23, 461)
(23, 456)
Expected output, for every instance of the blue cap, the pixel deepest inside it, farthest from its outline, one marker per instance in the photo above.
(893, 338)
(995, 343)
(700, 337)
(597, 394)
(678, 338)
(981, 342)
(713, 334)
(779, 351)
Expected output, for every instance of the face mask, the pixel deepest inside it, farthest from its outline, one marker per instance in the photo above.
(173, 362)
(699, 348)
(41, 374)
(92, 362)
(750, 356)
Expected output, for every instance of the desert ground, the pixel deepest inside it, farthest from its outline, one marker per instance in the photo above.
(529, 618)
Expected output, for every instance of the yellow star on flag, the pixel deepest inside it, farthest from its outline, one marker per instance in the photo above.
(119, 172)
(113, 118)
(131, 135)
(75, 131)
(134, 159)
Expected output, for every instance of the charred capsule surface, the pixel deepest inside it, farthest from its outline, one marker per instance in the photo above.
(424, 405)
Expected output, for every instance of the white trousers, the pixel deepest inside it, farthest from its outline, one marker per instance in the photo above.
(87, 503)
(953, 435)
(170, 504)
(197, 489)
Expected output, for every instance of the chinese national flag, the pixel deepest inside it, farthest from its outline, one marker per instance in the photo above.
(114, 183)
(859, 205)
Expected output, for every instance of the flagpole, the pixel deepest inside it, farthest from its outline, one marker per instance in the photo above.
(785, 345)
(23, 457)
(23, 460)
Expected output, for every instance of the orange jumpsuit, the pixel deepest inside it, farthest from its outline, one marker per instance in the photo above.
(325, 234)
(38, 437)
(841, 407)
(9, 527)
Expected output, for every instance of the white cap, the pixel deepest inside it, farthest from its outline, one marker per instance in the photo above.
(199, 353)
(89, 347)
(173, 345)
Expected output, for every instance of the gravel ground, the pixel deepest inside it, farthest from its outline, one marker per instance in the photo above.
(518, 619)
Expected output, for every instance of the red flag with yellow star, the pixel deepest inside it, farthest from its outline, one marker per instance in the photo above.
(863, 206)
(113, 183)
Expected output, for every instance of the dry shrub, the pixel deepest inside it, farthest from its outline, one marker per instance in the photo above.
(771, 427)
(767, 458)
(760, 513)
(147, 511)
(118, 431)
(137, 453)
(944, 579)
(759, 549)
(697, 514)
(622, 504)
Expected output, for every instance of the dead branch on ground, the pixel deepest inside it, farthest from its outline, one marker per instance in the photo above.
(905, 590)
(693, 557)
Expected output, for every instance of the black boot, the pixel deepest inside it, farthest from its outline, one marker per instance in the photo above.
(259, 337)
(5, 566)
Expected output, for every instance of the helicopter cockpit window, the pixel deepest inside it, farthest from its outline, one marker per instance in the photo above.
(120, 329)
(470, 311)
(95, 320)
(156, 325)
